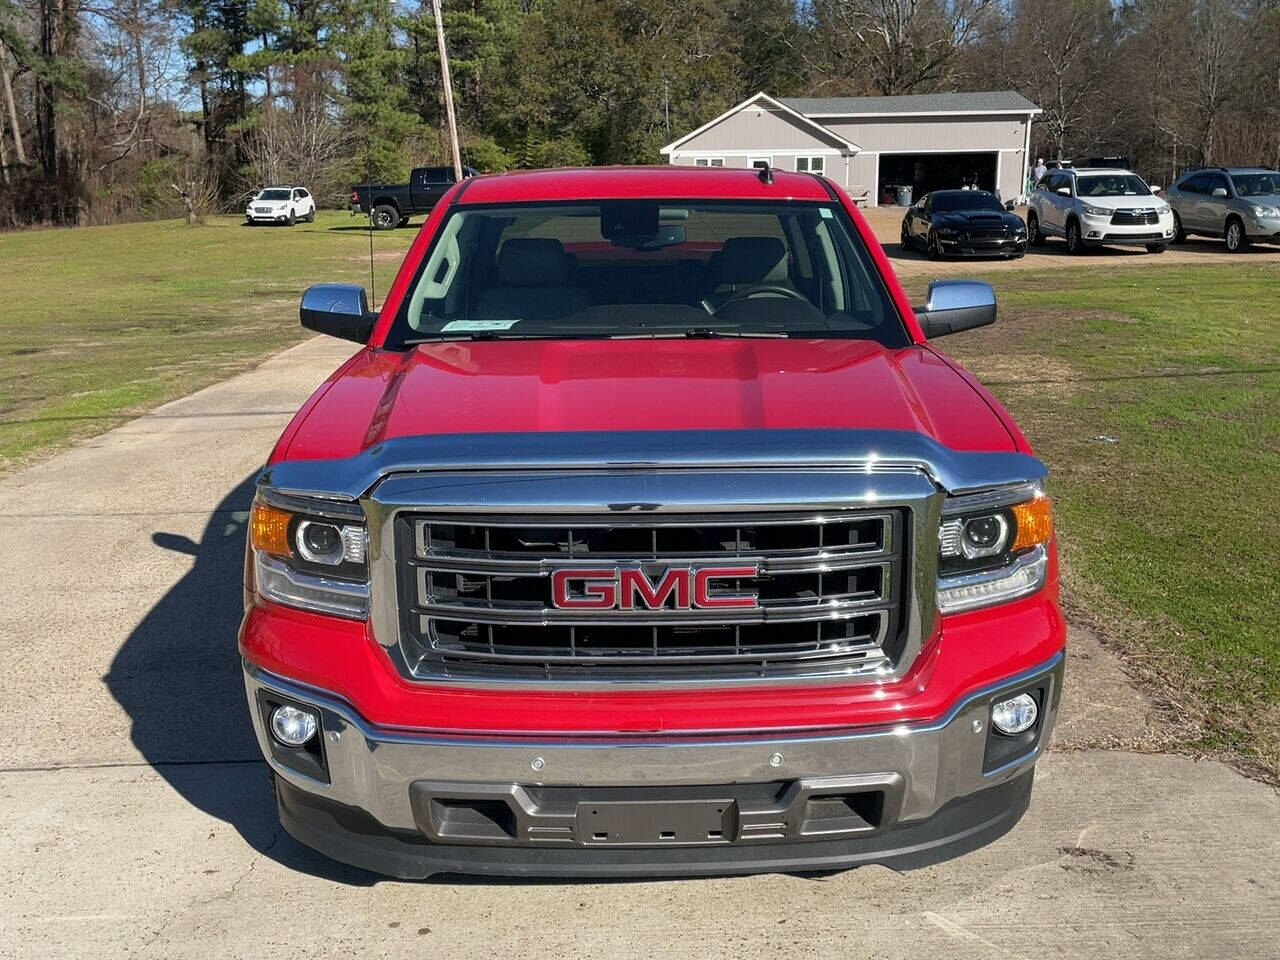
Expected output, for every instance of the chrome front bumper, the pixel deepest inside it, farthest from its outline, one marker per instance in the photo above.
(926, 765)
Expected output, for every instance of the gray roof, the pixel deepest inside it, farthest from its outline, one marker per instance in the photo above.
(975, 102)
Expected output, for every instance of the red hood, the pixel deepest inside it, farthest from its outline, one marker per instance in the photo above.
(544, 385)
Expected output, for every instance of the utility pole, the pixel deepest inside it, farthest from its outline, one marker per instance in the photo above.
(448, 91)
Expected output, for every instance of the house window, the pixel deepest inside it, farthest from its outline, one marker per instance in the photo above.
(811, 165)
(709, 162)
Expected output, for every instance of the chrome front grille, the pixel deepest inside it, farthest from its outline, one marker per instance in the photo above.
(476, 594)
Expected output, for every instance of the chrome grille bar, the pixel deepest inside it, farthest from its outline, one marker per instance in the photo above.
(479, 597)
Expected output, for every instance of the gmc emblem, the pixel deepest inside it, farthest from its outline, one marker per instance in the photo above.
(630, 588)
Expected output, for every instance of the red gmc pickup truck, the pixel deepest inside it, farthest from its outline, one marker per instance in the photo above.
(649, 534)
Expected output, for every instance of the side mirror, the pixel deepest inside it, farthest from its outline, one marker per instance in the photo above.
(1219, 191)
(1157, 189)
(1065, 191)
(338, 310)
(955, 305)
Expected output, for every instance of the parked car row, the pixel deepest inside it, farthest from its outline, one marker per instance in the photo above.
(1092, 206)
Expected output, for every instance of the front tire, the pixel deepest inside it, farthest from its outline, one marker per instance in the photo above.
(1075, 245)
(935, 248)
(385, 217)
(1155, 248)
(293, 218)
(1034, 237)
(1234, 236)
(906, 239)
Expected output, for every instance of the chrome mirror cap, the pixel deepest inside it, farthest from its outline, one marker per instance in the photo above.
(955, 305)
(338, 310)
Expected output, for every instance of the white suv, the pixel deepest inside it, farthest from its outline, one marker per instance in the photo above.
(1098, 205)
(281, 205)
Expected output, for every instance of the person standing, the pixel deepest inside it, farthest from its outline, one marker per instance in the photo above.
(1040, 169)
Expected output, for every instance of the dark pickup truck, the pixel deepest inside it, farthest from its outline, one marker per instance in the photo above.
(391, 205)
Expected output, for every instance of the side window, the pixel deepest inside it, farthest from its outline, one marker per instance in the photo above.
(1216, 181)
(302, 194)
(1059, 181)
(1189, 185)
(297, 194)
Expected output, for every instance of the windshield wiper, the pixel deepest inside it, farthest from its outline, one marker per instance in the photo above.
(704, 333)
(481, 335)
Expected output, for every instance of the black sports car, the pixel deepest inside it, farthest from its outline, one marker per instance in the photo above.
(963, 223)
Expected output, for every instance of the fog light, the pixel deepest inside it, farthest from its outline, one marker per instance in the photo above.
(1015, 715)
(293, 727)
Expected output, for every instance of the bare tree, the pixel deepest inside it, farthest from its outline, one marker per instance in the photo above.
(1213, 65)
(1064, 53)
(197, 188)
(900, 46)
(303, 145)
(6, 87)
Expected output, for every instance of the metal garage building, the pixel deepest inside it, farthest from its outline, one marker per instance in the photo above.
(872, 145)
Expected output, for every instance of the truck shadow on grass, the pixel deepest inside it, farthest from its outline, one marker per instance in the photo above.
(178, 677)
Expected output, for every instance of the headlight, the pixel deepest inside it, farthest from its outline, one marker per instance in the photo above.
(311, 555)
(1162, 209)
(992, 549)
(1091, 211)
(1266, 212)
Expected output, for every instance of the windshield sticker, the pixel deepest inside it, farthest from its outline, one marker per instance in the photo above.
(826, 213)
(471, 326)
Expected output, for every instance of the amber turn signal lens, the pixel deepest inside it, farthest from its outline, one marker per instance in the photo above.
(269, 529)
(1035, 523)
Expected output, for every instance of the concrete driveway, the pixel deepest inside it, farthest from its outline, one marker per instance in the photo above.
(135, 817)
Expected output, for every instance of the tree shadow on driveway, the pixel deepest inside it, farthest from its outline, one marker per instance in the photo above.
(178, 677)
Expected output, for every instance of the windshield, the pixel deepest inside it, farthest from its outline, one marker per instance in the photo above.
(1256, 184)
(1112, 185)
(646, 268)
(273, 195)
(966, 200)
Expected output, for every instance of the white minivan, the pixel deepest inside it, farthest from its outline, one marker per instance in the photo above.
(1092, 206)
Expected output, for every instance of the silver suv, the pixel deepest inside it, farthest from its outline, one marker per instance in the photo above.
(1095, 205)
(1239, 204)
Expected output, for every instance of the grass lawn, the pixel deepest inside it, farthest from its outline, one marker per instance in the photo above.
(102, 323)
(1154, 395)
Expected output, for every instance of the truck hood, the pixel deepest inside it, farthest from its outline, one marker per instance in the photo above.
(551, 386)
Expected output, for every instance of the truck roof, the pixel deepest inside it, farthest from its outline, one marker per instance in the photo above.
(642, 183)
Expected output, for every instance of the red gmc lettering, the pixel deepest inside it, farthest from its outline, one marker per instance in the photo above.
(633, 589)
(703, 597)
(653, 596)
(600, 589)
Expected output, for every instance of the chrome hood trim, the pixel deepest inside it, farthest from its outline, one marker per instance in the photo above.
(868, 451)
